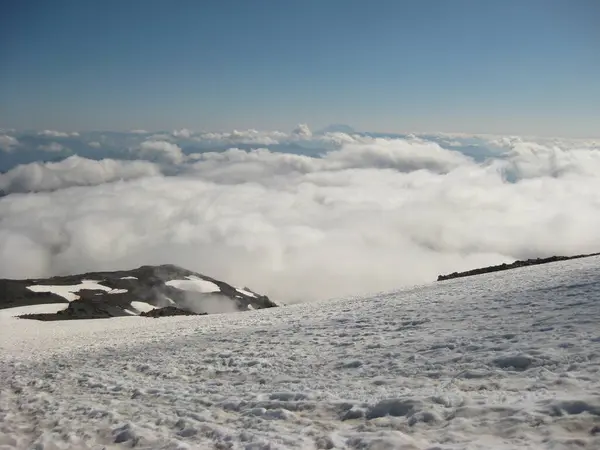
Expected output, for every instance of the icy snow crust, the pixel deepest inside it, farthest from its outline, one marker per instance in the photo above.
(508, 360)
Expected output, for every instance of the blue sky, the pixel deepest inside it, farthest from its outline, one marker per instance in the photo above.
(473, 66)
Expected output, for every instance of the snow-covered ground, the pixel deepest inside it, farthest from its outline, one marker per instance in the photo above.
(509, 360)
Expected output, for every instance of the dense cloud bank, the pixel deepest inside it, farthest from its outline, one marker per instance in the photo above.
(301, 215)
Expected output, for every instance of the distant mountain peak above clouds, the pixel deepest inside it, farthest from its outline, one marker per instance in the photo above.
(124, 293)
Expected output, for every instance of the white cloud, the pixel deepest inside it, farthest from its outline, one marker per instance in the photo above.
(299, 135)
(397, 154)
(376, 214)
(526, 159)
(8, 143)
(261, 165)
(95, 144)
(161, 151)
(73, 171)
(243, 137)
(453, 143)
(52, 147)
(182, 133)
(138, 132)
(302, 132)
(58, 134)
(339, 139)
(161, 137)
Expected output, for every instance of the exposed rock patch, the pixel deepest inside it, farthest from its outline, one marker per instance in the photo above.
(169, 311)
(515, 265)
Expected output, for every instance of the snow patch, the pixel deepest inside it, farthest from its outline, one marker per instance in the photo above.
(142, 306)
(69, 292)
(195, 284)
(129, 278)
(246, 292)
(118, 291)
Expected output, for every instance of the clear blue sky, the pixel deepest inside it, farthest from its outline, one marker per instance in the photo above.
(528, 67)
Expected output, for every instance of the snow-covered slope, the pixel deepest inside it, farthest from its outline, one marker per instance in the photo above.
(509, 360)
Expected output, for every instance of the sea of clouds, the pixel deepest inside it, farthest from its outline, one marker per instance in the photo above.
(297, 215)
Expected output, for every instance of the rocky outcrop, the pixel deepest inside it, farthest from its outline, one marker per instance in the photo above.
(95, 295)
(82, 309)
(169, 311)
(515, 265)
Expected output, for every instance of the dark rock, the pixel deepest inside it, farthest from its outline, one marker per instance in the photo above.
(13, 294)
(353, 414)
(515, 265)
(170, 311)
(394, 407)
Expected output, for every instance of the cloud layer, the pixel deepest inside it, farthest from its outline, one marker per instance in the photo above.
(366, 213)
(72, 171)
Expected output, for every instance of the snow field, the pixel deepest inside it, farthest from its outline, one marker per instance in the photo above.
(509, 360)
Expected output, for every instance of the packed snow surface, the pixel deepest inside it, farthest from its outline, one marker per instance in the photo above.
(68, 292)
(509, 360)
(193, 283)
